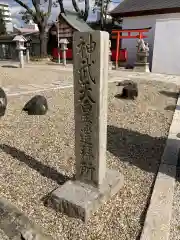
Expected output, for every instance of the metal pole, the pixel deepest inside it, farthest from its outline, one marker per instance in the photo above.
(59, 57)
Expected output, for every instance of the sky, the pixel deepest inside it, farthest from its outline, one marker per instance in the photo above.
(15, 9)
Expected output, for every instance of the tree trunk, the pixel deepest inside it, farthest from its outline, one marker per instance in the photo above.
(102, 15)
(43, 42)
(76, 7)
(86, 12)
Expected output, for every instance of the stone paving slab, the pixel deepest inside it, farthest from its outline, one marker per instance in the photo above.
(11, 89)
(121, 74)
(127, 75)
(38, 82)
(17, 92)
(115, 73)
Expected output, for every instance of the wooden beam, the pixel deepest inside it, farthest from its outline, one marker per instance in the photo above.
(132, 30)
(129, 37)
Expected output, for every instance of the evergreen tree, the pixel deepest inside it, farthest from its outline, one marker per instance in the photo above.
(2, 24)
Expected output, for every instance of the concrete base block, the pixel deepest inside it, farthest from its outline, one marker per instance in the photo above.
(158, 218)
(80, 200)
(141, 67)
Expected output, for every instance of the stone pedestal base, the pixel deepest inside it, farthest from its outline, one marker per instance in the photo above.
(141, 67)
(77, 199)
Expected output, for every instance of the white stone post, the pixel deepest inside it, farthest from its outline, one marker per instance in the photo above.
(27, 55)
(94, 183)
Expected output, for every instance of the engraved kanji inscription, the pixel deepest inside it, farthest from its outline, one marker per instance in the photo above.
(87, 172)
(85, 49)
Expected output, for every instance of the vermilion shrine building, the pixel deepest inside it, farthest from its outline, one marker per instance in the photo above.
(68, 23)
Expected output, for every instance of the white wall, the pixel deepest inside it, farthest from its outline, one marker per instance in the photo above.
(166, 54)
(138, 23)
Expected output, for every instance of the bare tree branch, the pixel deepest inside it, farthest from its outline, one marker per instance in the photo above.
(61, 6)
(30, 11)
(82, 13)
(86, 12)
(77, 9)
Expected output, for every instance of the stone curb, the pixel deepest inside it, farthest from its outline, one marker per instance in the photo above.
(16, 225)
(158, 218)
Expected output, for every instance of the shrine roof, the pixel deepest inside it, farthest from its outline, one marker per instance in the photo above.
(9, 37)
(75, 22)
(129, 8)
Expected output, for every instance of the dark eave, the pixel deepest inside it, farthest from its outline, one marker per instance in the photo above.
(146, 12)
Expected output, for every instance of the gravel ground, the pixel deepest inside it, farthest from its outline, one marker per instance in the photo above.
(175, 222)
(37, 152)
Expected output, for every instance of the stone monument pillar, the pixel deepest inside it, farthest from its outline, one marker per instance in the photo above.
(141, 64)
(94, 183)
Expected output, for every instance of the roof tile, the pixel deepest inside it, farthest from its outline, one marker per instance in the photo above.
(144, 5)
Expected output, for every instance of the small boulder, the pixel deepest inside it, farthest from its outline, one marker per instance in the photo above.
(129, 66)
(130, 92)
(36, 106)
(3, 102)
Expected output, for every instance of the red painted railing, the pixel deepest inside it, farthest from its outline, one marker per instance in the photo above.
(68, 54)
(122, 56)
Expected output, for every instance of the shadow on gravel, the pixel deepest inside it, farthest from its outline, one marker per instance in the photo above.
(44, 170)
(119, 96)
(172, 108)
(170, 94)
(129, 145)
(9, 66)
(140, 149)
